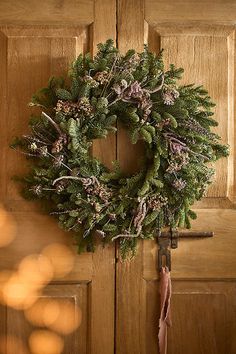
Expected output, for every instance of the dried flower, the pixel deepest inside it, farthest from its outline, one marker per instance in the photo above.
(33, 146)
(84, 106)
(92, 83)
(134, 91)
(179, 184)
(37, 189)
(119, 88)
(169, 95)
(157, 202)
(102, 77)
(65, 107)
(177, 162)
(59, 144)
(58, 161)
(74, 109)
(133, 62)
(176, 148)
(93, 187)
(112, 216)
(43, 151)
(192, 124)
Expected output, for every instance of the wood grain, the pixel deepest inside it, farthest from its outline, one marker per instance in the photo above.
(50, 12)
(186, 51)
(190, 10)
(77, 296)
(102, 290)
(129, 283)
(131, 35)
(201, 315)
(104, 149)
(200, 36)
(211, 258)
(37, 41)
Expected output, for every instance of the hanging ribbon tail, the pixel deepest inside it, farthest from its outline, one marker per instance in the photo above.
(165, 313)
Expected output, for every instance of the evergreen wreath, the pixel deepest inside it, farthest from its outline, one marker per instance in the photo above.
(174, 122)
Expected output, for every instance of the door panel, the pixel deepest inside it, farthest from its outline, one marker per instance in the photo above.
(22, 324)
(207, 55)
(200, 38)
(37, 42)
(200, 311)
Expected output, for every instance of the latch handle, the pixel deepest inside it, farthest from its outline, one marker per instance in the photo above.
(169, 239)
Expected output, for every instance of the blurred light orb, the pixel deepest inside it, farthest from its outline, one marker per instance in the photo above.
(18, 294)
(61, 258)
(68, 319)
(42, 313)
(45, 342)
(5, 275)
(61, 316)
(36, 269)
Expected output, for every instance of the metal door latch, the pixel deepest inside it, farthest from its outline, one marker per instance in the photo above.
(168, 240)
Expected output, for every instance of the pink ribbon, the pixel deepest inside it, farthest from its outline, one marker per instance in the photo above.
(165, 314)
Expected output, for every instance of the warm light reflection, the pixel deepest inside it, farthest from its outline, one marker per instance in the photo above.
(45, 342)
(36, 269)
(7, 227)
(19, 289)
(61, 258)
(5, 275)
(43, 312)
(18, 294)
(22, 289)
(68, 320)
(12, 345)
(59, 315)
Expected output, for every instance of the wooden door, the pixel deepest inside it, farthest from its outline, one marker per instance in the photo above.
(198, 36)
(37, 40)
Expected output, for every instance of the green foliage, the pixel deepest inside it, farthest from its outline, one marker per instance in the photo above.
(173, 121)
(63, 94)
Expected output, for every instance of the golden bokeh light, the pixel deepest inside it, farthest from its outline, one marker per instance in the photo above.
(61, 316)
(18, 294)
(7, 227)
(36, 270)
(68, 320)
(44, 312)
(61, 258)
(45, 342)
(5, 275)
(20, 289)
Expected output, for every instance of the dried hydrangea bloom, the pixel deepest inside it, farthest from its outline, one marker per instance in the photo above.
(157, 202)
(102, 77)
(58, 145)
(90, 80)
(179, 184)
(169, 95)
(134, 91)
(84, 106)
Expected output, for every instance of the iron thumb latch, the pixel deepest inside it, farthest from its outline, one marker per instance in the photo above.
(168, 240)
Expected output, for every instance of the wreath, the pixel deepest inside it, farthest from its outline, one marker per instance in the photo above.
(174, 122)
